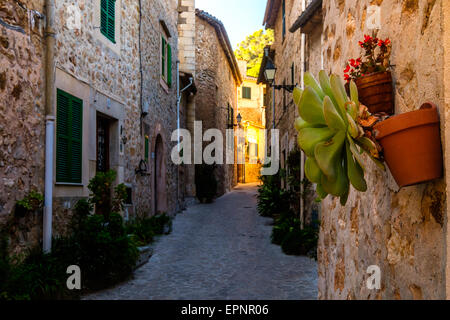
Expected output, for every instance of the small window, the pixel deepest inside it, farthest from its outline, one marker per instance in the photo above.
(230, 120)
(246, 93)
(108, 19)
(69, 138)
(293, 73)
(166, 60)
(129, 197)
(146, 148)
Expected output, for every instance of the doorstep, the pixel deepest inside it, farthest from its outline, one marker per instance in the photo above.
(144, 255)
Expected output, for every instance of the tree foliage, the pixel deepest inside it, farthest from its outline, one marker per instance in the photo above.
(252, 50)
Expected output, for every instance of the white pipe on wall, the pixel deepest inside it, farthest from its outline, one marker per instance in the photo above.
(48, 196)
(50, 40)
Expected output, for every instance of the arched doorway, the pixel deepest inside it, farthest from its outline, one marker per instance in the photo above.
(160, 198)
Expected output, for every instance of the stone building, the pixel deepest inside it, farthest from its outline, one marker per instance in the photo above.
(289, 53)
(402, 231)
(103, 75)
(217, 77)
(252, 110)
(22, 111)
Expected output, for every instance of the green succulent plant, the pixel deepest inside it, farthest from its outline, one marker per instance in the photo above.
(331, 137)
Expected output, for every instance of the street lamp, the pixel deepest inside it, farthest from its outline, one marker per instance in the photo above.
(269, 72)
(239, 119)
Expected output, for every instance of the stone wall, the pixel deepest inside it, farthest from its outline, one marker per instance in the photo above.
(107, 77)
(22, 114)
(162, 117)
(287, 54)
(217, 88)
(401, 231)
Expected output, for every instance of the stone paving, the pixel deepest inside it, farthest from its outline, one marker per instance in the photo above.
(220, 251)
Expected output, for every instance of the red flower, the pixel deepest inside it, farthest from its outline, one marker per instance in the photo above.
(361, 44)
(380, 43)
(367, 38)
(387, 41)
(352, 62)
(347, 69)
(346, 77)
(358, 62)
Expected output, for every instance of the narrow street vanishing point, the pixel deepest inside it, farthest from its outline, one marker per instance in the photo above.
(220, 251)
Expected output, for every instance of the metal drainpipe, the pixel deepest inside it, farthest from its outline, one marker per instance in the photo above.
(302, 158)
(50, 124)
(178, 133)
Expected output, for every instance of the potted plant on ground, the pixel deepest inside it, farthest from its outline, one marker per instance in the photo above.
(372, 75)
(412, 145)
(332, 134)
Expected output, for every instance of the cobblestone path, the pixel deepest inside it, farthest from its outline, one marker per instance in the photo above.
(220, 251)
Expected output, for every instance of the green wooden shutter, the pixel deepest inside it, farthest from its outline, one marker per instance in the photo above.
(246, 92)
(108, 19)
(169, 65)
(163, 57)
(62, 137)
(69, 136)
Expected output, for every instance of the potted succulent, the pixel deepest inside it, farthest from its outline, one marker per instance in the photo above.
(412, 145)
(332, 134)
(372, 75)
(335, 129)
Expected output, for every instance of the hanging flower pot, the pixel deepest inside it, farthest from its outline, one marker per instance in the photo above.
(412, 145)
(376, 92)
(372, 76)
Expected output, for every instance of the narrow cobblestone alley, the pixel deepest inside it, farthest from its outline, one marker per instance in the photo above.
(220, 251)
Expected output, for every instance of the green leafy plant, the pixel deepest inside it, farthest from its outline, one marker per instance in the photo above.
(272, 199)
(332, 137)
(252, 50)
(143, 229)
(293, 240)
(32, 202)
(101, 187)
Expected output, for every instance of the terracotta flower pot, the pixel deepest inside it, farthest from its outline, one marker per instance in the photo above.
(376, 92)
(412, 145)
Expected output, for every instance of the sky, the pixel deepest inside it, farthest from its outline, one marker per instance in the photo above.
(240, 17)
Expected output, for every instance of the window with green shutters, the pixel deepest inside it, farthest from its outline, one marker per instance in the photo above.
(230, 120)
(246, 92)
(166, 61)
(69, 138)
(108, 19)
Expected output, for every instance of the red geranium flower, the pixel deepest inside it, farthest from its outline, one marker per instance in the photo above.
(387, 41)
(346, 77)
(352, 62)
(367, 38)
(361, 44)
(347, 69)
(380, 43)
